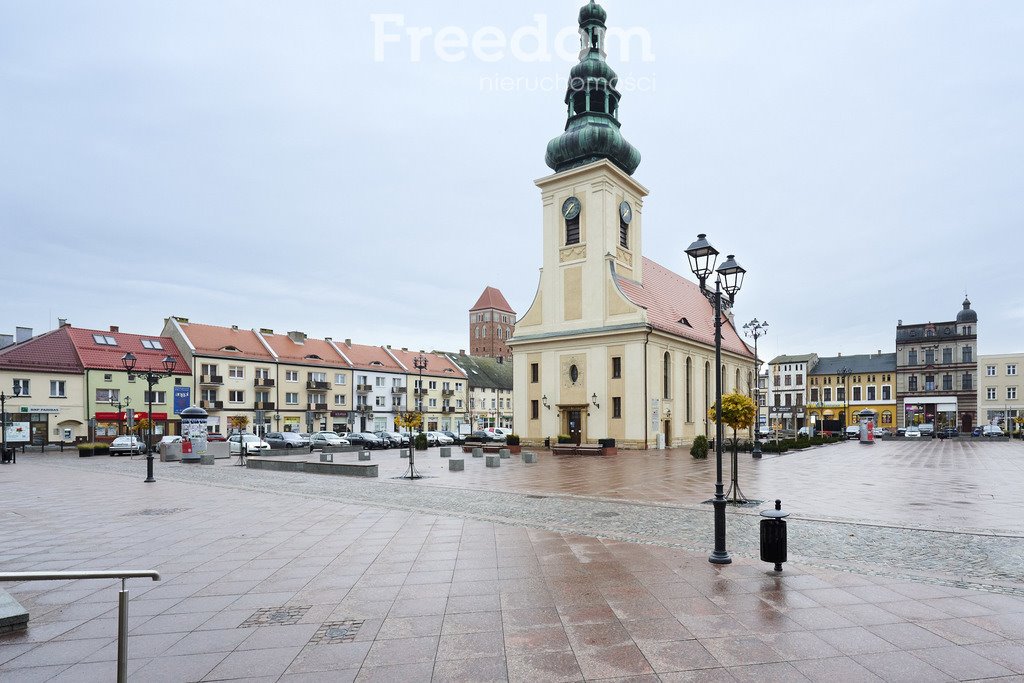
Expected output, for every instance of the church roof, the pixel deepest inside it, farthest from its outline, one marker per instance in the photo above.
(676, 306)
(492, 298)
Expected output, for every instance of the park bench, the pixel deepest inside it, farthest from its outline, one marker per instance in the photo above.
(573, 449)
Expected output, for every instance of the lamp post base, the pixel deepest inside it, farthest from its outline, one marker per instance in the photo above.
(722, 557)
(720, 554)
(149, 469)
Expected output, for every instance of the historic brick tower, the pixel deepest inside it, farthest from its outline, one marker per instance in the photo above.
(491, 324)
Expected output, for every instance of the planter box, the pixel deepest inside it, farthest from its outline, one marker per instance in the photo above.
(514, 450)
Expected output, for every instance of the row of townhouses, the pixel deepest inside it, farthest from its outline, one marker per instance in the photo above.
(71, 383)
(935, 375)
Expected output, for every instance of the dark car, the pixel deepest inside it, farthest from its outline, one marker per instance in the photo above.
(215, 436)
(977, 431)
(480, 436)
(949, 433)
(458, 440)
(285, 440)
(364, 440)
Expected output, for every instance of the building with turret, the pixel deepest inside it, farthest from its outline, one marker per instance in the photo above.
(491, 324)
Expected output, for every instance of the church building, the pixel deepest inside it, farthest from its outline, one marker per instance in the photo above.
(614, 345)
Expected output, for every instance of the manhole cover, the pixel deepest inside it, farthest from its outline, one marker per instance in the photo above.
(156, 512)
(606, 514)
(276, 616)
(536, 497)
(334, 632)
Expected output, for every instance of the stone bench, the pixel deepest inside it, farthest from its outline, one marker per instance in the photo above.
(484, 448)
(456, 465)
(351, 469)
(573, 449)
(13, 617)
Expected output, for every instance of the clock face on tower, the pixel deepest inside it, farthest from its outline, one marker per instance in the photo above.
(626, 212)
(571, 208)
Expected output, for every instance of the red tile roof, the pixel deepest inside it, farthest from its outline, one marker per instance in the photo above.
(670, 298)
(211, 340)
(51, 351)
(103, 357)
(438, 365)
(309, 352)
(492, 298)
(366, 357)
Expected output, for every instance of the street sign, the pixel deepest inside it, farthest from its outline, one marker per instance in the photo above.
(129, 417)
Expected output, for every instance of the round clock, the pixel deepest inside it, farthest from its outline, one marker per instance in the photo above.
(626, 212)
(571, 208)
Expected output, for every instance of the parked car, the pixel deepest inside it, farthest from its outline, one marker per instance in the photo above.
(456, 439)
(987, 430)
(321, 439)
(169, 439)
(499, 433)
(215, 436)
(912, 433)
(365, 440)
(481, 436)
(392, 439)
(253, 444)
(127, 445)
(977, 431)
(948, 433)
(881, 431)
(441, 439)
(927, 429)
(853, 432)
(286, 440)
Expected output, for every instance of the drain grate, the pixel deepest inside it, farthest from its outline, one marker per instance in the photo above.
(156, 512)
(606, 514)
(536, 497)
(276, 616)
(334, 632)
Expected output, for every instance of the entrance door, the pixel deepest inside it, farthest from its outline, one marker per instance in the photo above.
(967, 423)
(668, 433)
(574, 425)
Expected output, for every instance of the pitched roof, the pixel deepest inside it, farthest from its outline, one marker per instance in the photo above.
(438, 365)
(51, 351)
(213, 340)
(484, 372)
(801, 358)
(309, 352)
(96, 356)
(676, 306)
(492, 298)
(877, 362)
(365, 357)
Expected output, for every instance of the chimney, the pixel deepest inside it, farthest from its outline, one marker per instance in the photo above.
(879, 352)
(235, 328)
(462, 352)
(297, 337)
(328, 340)
(115, 328)
(61, 322)
(22, 334)
(405, 348)
(839, 355)
(348, 343)
(6, 340)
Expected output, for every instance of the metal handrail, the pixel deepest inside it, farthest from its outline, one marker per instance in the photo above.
(122, 600)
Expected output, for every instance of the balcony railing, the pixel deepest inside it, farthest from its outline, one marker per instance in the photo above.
(211, 379)
(264, 382)
(397, 390)
(365, 410)
(317, 386)
(420, 392)
(364, 388)
(317, 407)
(211, 405)
(264, 405)
(447, 393)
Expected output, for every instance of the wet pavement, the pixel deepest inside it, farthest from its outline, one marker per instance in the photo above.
(497, 575)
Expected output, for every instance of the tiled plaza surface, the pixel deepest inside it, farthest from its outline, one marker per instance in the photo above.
(497, 576)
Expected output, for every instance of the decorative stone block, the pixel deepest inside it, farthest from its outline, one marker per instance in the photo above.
(478, 452)
(456, 465)
(494, 461)
(326, 457)
(446, 452)
(504, 454)
(364, 456)
(405, 453)
(206, 459)
(529, 457)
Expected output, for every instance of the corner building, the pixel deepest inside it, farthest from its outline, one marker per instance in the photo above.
(614, 345)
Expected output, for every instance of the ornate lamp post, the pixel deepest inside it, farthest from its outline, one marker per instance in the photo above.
(3, 415)
(844, 374)
(420, 363)
(151, 376)
(120, 406)
(729, 278)
(756, 329)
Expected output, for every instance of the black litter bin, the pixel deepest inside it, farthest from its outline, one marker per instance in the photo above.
(7, 456)
(547, 442)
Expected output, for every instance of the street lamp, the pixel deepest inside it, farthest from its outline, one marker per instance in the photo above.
(729, 278)
(420, 363)
(3, 415)
(844, 374)
(756, 329)
(120, 406)
(151, 376)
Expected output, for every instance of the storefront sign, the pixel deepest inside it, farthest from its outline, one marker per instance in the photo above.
(182, 399)
(39, 409)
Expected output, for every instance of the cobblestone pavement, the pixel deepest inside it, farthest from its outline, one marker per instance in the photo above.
(980, 558)
(292, 577)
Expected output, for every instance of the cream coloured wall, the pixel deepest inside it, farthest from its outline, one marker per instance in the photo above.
(72, 408)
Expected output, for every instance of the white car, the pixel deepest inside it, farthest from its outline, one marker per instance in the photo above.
(881, 431)
(992, 430)
(441, 439)
(498, 433)
(327, 439)
(127, 445)
(169, 439)
(912, 433)
(253, 444)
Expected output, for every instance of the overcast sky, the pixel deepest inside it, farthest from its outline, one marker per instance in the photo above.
(309, 165)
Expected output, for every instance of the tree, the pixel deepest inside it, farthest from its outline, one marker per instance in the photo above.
(238, 422)
(738, 412)
(142, 425)
(409, 420)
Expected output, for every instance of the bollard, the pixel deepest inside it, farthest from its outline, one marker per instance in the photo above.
(493, 461)
(364, 456)
(773, 536)
(529, 457)
(326, 457)
(405, 452)
(456, 465)
(446, 451)
(478, 452)
(504, 453)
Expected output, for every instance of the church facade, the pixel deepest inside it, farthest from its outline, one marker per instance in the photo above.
(614, 344)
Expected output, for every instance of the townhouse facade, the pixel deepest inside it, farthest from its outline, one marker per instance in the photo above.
(440, 390)
(787, 394)
(490, 397)
(379, 388)
(1000, 390)
(841, 388)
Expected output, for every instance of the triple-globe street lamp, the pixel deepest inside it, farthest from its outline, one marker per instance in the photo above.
(151, 376)
(728, 279)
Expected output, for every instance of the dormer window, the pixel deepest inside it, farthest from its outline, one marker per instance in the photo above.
(230, 349)
(152, 344)
(104, 340)
(313, 356)
(377, 363)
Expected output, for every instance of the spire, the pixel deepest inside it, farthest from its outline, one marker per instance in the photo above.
(592, 130)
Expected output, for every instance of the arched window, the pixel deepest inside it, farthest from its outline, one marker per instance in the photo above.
(689, 389)
(887, 417)
(508, 333)
(476, 332)
(666, 379)
(500, 334)
(485, 333)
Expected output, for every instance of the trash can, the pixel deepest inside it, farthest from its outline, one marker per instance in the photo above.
(547, 442)
(773, 536)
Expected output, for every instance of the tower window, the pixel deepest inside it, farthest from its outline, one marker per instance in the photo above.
(623, 234)
(572, 231)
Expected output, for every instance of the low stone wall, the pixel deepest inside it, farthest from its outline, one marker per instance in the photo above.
(350, 469)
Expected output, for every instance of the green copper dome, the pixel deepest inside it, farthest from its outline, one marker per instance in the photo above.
(592, 100)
